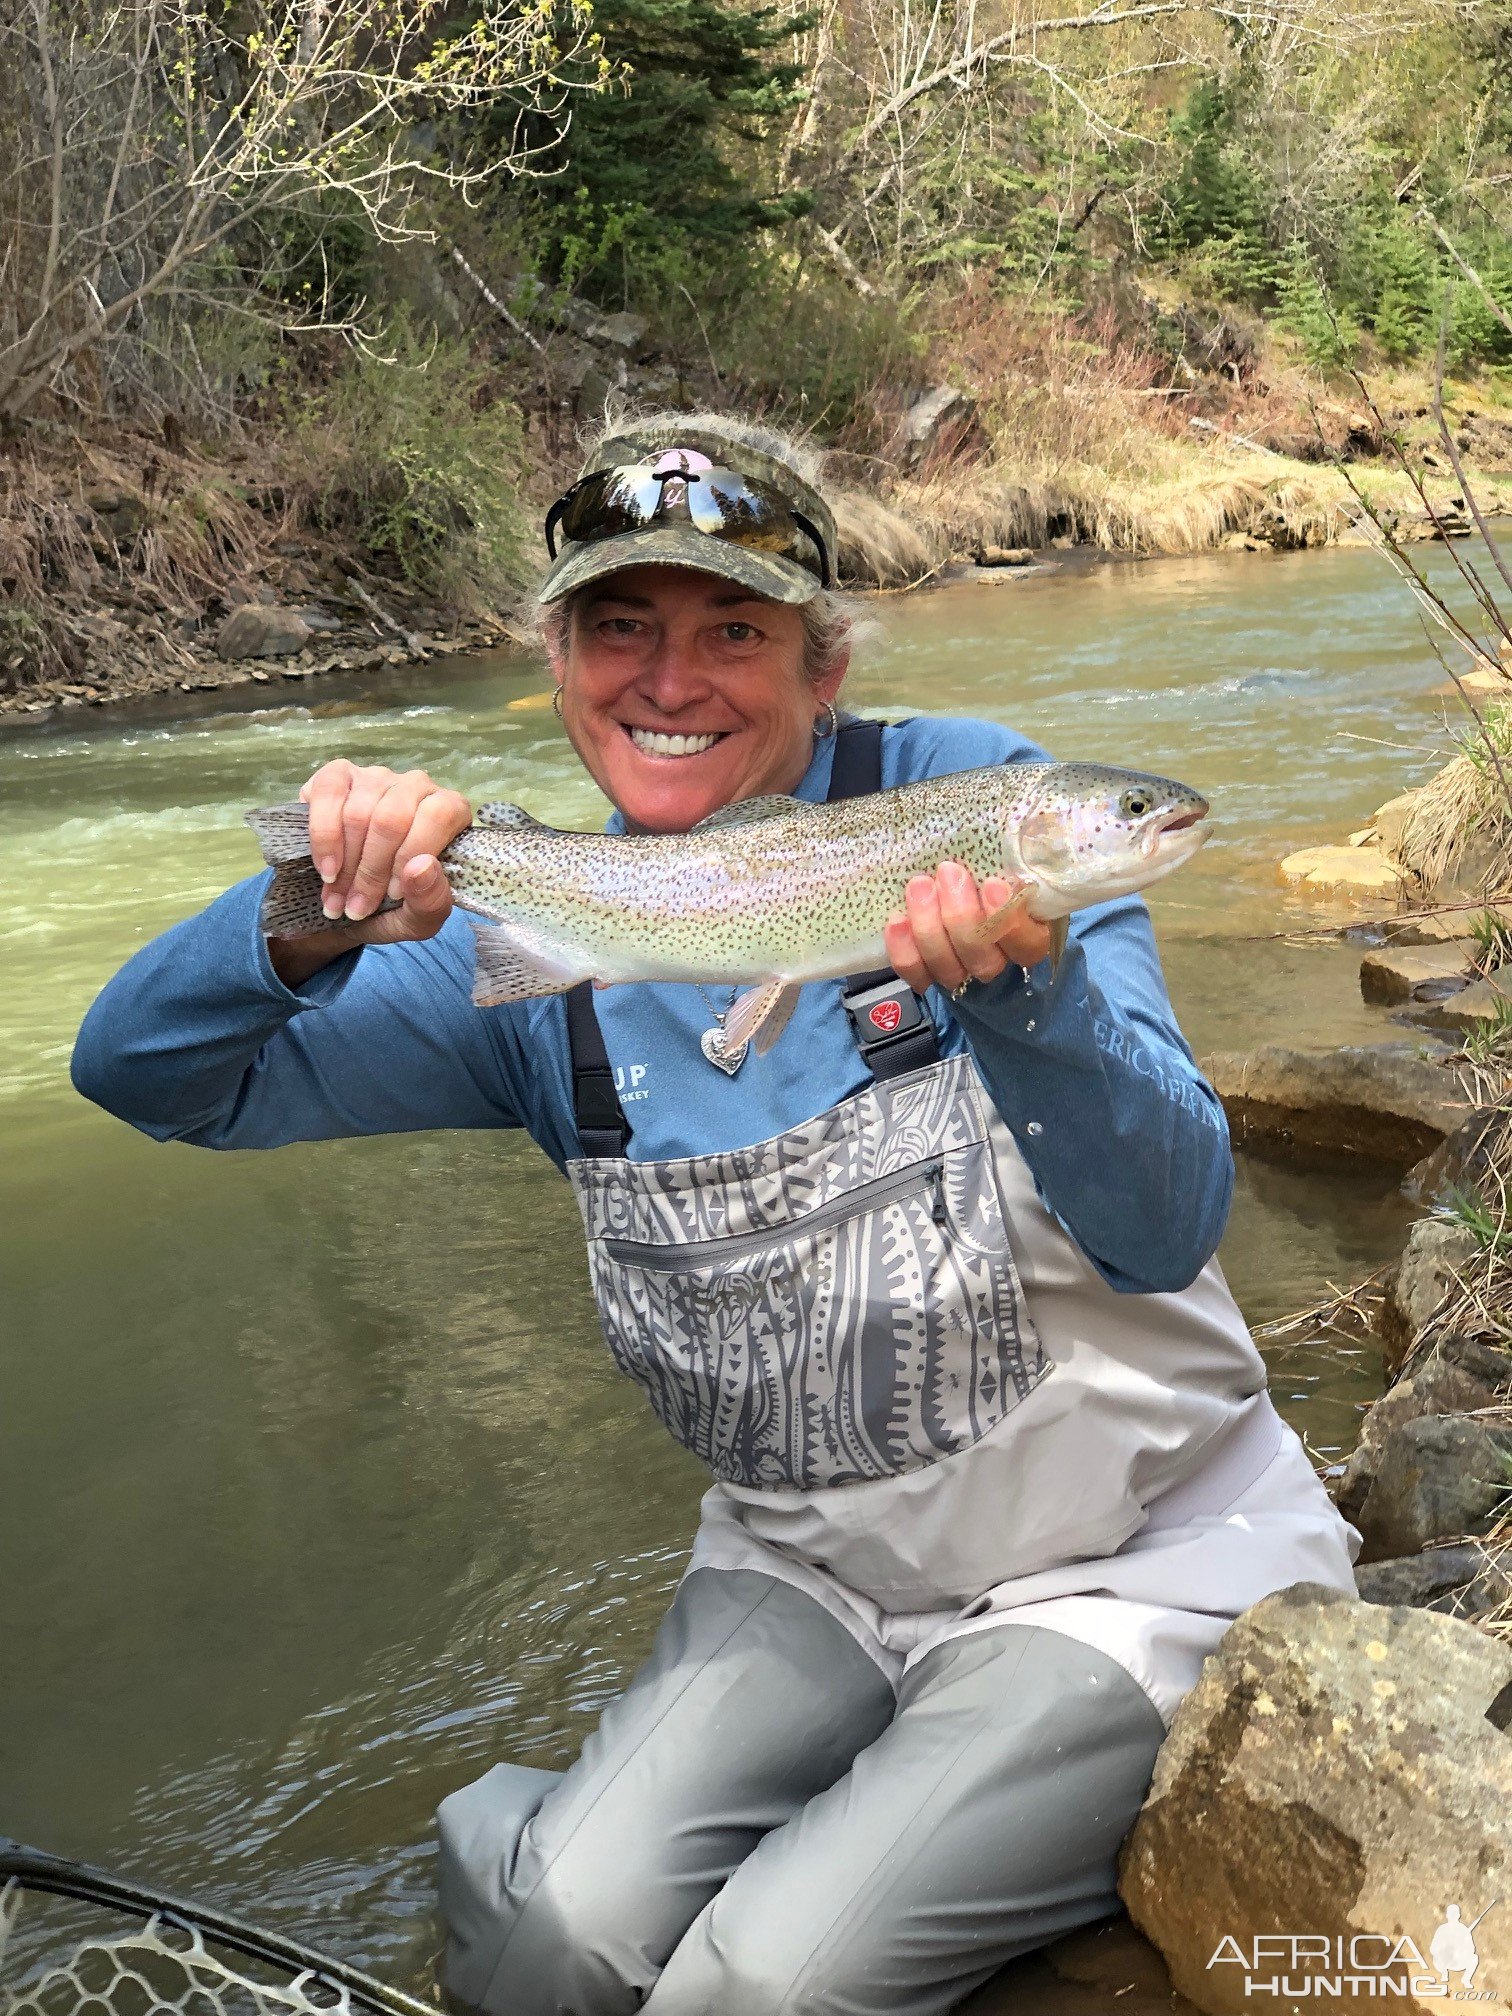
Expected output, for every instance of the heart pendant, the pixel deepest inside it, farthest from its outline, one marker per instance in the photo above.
(712, 1043)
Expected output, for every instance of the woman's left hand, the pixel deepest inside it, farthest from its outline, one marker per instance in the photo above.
(943, 940)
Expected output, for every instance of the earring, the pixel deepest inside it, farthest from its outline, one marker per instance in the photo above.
(556, 701)
(823, 734)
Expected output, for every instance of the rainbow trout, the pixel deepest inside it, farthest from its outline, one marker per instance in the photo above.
(770, 891)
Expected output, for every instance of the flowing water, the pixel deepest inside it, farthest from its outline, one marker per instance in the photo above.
(318, 1492)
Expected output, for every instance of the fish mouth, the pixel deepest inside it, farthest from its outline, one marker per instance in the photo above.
(1186, 822)
(660, 746)
(1181, 822)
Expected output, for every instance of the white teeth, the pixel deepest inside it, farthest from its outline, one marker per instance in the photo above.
(671, 745)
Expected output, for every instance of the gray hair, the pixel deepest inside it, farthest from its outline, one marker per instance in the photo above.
(830, 621)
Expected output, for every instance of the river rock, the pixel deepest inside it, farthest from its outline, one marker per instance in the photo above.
(1436, 1478)
(1467, 1580)
(1339, 1771)
(1460, 1161)
(1416, 972)
(257, 631)
(1442, 1384)
(1389, 821)
(1419, 1580)
(938, 422)
(1438, 1252)
(1393, 1101)
(1356, 871)
(1484, 1001)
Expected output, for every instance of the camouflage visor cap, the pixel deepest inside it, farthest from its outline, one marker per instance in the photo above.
(639, 524)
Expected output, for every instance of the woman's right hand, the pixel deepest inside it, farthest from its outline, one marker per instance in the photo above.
(374, 834)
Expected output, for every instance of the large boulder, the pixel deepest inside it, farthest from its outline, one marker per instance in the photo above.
(261, 630)
(1340, 1773)
(1436, 1478)
(1454, 1380)
(1392, 1101)
(1437, 1258)
(937, 424)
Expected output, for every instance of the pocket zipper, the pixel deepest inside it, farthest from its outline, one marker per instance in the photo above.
(913, 1181)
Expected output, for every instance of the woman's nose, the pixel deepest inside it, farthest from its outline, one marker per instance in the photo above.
(671, 678)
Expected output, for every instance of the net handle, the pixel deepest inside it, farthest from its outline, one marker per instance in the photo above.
(35, 1869)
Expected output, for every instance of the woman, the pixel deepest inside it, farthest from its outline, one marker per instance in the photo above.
(930, 1287)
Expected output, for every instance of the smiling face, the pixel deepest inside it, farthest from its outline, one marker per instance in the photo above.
(682, 692)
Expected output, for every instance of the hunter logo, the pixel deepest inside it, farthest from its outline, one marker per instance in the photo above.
(885, 1015)
(1293, 1967)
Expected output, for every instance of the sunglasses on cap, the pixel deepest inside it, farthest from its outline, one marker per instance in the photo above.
(720, 502)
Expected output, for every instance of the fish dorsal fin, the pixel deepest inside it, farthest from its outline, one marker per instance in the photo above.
(503, 815)
(749, 810)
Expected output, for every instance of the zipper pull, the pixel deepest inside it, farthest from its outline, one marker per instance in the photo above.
(937, 1178)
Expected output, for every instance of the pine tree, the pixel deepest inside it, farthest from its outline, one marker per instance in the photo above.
(661, 176)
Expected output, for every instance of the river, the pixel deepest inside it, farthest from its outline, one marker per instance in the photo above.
(318, 1492)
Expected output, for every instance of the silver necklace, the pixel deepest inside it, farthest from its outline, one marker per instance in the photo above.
(712, 1042)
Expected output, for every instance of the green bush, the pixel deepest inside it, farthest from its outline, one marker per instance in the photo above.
(408, 452)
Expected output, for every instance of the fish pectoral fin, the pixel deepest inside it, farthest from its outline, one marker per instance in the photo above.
(747, 811)
(995, 920)
(760, 1015)
(511, 964)
(1060, 931)
(500, 815)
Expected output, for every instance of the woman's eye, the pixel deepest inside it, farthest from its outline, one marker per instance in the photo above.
(620, 626)
(740, 633)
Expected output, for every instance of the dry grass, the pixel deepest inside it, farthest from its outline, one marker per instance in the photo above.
(99, 538)
(1462, 807)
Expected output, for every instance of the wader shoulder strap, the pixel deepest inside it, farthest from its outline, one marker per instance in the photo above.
(601, 1123)
(891, 1025)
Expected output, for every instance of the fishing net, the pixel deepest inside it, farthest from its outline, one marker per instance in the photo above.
(56, 1959)
(160, 1966)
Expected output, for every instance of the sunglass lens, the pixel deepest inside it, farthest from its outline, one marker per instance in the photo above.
(617, 500)
(725, 504)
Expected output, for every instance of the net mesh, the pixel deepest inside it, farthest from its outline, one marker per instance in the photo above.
(164, 1967)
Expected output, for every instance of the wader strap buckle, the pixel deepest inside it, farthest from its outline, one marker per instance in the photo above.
(893, 1032)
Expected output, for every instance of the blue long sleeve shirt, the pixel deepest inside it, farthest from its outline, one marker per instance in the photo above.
(196, 1039)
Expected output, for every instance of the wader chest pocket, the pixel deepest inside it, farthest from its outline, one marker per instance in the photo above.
(868, 1336)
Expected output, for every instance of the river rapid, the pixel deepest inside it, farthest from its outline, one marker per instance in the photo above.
(318, 1491)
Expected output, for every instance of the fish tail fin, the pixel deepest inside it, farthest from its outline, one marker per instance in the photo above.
(283, 832)
(291, 902)
(512, 964)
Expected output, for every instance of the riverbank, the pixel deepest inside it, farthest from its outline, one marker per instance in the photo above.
(126, 557)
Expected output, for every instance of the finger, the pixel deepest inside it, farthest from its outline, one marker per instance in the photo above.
(438, 819)
(425, 905)
(965, 920)
(366, 788)
(325, 794)
(387, 829)
(903, 953)
(941, 961)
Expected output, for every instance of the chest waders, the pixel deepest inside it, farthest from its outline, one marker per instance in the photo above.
(907, 1698)
(833, 1306)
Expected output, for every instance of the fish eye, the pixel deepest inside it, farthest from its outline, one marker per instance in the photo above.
(1134, 804)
